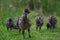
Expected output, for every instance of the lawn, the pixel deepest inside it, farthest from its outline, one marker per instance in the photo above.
(43, 34)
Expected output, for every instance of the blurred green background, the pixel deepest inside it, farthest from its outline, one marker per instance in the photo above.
(14, 8)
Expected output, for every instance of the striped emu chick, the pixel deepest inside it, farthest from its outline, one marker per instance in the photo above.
(17, 21)
(24, 22)
(52, 22)
(39, 22)
(10, 24)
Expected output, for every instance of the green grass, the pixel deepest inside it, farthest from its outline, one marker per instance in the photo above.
(43, 34)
